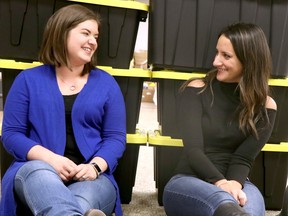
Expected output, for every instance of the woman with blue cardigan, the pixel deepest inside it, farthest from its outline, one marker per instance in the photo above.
(65, 125)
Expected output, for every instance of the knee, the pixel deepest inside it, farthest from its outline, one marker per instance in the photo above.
(34, 166)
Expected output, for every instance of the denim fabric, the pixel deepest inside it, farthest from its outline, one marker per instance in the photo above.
(38, 185)
(186, 195)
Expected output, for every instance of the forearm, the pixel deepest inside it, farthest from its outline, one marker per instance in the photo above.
(39, 152)
(248, 150)
(202, 166)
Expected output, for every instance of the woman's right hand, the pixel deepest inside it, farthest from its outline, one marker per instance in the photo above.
(65, 168)
(235, 189)
(238, 193)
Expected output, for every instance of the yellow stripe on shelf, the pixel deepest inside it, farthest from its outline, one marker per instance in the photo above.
(117, 3)
(155, 139)
(176, 75)
(278, 82)
(166, 74)
(282, 147)
(158, 140)
(131, 72)
(136, 139)
(12, 64)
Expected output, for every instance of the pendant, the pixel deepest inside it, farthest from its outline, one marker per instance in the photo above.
(72, 88)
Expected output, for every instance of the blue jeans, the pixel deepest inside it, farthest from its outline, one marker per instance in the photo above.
(39, 187)
(187, 195)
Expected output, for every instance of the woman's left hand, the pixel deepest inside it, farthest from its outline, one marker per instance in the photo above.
(240, 194)
(235, 189)
(242, 198)
(84, 172)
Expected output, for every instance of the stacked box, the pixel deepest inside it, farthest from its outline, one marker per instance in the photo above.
(269, 174)
(166, 97)
(183, 34)
(125, 173)
(280, 131)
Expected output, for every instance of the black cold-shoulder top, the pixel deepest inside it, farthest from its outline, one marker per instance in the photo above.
(214, 146)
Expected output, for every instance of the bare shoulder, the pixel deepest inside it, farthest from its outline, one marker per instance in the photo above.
(197, 83)
(270, 103)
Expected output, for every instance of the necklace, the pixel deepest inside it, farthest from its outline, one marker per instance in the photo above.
(72, 87)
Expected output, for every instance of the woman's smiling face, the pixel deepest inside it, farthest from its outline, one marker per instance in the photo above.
(229, 67)
(82, 42)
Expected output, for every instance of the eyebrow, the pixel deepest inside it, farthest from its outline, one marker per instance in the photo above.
(225, 52)
(85, 29)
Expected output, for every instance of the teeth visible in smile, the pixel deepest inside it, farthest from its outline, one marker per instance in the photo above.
(87, 49)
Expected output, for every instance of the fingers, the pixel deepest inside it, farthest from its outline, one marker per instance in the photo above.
(68, 172)
(235, 189)
(63, 177)
(82, 172)
(63, 166)
(234, 193)
(85, 178)
(242, 198)
(85, 173)
(239, 196)
(72, 171)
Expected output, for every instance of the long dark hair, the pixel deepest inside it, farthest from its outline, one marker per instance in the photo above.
(252, 50)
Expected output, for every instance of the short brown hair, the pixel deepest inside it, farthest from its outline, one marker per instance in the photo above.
(53, 50)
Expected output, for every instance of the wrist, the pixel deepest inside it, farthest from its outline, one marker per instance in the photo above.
(96, 168)
(236, 184)
(221, 182)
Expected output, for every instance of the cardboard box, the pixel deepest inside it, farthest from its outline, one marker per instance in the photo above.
(148, 92)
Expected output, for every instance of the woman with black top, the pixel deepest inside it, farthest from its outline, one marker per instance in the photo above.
(225, 119)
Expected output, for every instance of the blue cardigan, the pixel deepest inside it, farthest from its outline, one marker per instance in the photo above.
(34, 114)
